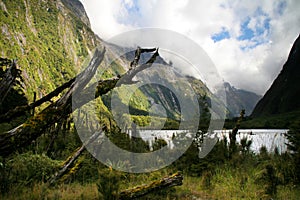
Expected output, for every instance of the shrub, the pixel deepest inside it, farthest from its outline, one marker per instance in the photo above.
(108, 184)
(28, 168)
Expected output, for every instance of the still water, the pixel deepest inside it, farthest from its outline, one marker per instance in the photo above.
(270, 138)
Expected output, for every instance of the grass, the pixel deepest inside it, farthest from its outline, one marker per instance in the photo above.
(64, 191)
(225, 184)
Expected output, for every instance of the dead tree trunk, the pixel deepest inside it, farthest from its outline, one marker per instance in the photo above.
(71, 159)
(139, 191)
(24, 134)
(20, 110)
(8, 80)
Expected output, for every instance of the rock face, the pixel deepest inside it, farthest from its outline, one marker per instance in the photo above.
(283, 95)
(77, 9)
(50, 39)
(238, 99)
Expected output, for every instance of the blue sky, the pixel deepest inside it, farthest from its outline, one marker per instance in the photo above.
(254, 34)
(224, 34)
(247, 40)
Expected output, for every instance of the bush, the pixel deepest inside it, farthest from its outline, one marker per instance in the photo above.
(108, 184)
(28, 168)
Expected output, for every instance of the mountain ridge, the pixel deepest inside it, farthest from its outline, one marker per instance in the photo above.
(282, 96)
(238, 99)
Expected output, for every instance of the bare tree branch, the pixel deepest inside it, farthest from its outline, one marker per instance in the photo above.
(22, 109)
(137, 55)
(8, 80)
(24, 134)
(70, 160)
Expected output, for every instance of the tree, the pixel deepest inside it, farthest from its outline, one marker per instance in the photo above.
(24, 134)
(293, 137)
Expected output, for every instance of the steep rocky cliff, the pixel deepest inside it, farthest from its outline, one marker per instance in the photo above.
(238, 99)
(50, 39)
(283, 95)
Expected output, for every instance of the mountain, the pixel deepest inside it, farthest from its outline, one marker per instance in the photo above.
(77, 9)
(283, 95)
(51, 41)
(238, 99)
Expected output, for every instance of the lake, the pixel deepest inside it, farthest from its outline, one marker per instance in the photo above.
(270, 138)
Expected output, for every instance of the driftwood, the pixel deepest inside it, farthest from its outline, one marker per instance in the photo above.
(35, 126)
(139, 191)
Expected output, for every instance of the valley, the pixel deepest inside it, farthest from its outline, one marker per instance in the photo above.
(80, 121)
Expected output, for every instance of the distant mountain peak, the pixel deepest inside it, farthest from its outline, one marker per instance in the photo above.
(238, 99)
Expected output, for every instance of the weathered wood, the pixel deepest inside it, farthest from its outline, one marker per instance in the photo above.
(139, 191)
(8, 80)
(24, 134)
(19, 110)
(103, 86)
(67, 165)
(127, 79)
(137, 55)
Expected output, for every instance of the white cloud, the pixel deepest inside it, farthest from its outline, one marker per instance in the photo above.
(250, 64)
(103, 16)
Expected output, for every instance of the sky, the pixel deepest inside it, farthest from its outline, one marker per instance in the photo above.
(247, 40)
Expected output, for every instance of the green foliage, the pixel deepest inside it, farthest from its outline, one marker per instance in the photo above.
(51, 46)
(44, 41)
(108, 184)
(270, 180)
(284, 120)
(294, 145)
(28, 168)
(158, 144)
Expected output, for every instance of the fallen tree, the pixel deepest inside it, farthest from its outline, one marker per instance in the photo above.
(102, 87)
(35, 126)
(9, 78)
(68, 165)
(20, 110)
(139, 191)
(24, 134)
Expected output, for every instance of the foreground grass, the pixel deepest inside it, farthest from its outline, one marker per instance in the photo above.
(224, 184)
(64, 191)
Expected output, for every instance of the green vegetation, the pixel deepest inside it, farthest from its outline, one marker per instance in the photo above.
(281, 121)
(245, 176)
(51, 45)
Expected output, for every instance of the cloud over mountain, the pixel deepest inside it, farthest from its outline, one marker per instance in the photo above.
(247, 40)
